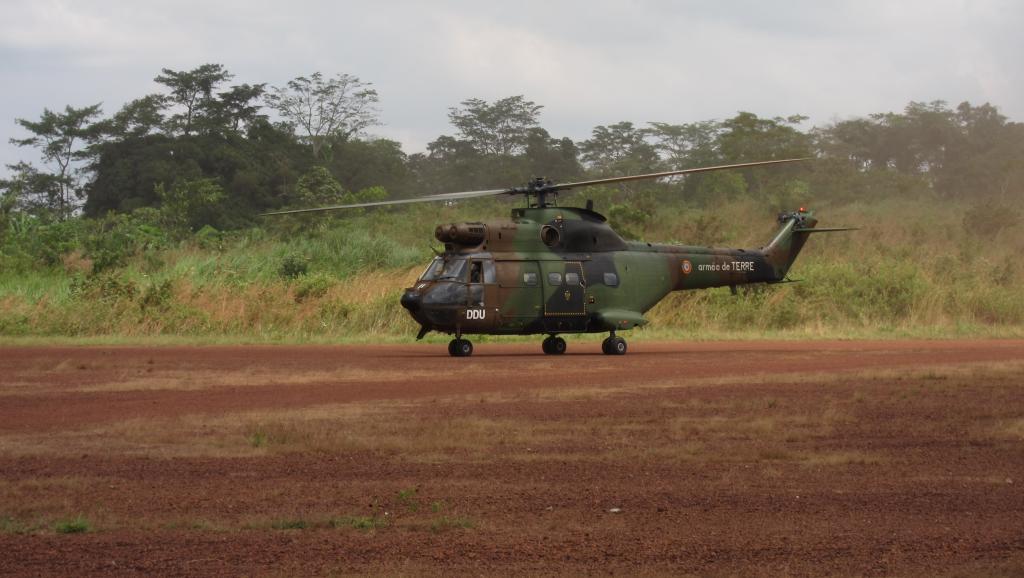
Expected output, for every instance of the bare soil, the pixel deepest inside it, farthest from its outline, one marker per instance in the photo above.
(726, 458)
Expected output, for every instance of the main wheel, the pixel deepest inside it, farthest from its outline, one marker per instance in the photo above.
(553, 345)
(613, 346)
(557, 346)
(460, 348)
(545, 345)
(617, 346)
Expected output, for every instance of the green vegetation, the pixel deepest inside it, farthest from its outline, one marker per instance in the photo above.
(917, 267)
(408, 499)
(363, 523)
(289, 524)
(443, 523)
(258, 438)
(145, 224)
(9, 525)
(77, 525)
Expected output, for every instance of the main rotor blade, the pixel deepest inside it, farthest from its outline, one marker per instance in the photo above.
(529, 190)
(426, 199)
(564, 186)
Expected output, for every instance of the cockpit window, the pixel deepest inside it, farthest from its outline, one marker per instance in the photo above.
(440, 269)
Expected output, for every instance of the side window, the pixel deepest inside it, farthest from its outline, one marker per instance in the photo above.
(530, 279)
(476, 274)
(489, 274)
(554, 279)
(572, 278)
(611, 279)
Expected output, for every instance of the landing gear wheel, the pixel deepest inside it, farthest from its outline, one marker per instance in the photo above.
(613, 346)
(460, 348)
(553, 345)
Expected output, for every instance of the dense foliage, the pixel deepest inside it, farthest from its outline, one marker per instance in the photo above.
(152, 207)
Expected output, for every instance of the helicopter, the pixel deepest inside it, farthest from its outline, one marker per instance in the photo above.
(563, 270)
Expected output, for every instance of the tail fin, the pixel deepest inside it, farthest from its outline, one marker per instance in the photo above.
(797, 226)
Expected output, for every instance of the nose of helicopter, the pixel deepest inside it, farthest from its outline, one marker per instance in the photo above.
(411, 300)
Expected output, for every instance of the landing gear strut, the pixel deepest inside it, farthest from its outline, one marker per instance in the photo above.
(553, 345)
(613, 345)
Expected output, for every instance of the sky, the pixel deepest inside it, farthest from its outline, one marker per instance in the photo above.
(588, 63)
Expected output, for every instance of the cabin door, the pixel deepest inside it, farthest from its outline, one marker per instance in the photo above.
(565, 288)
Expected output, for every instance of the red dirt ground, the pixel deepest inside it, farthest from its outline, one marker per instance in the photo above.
(735, 458)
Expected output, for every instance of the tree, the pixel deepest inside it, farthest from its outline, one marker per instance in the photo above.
(551, 157)
(139, 118)
(502, 128)
(30, 191)
(327, 111)
(193, 91)
(190, 204)
(317, 188)
(239, 107)
(61, 140)
(684, 146)
(619, 149)
(359, 164)
(970, 151)
(749, 138)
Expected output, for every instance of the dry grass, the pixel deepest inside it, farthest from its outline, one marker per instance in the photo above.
(717, 427)
(679, 426)
(37, 505)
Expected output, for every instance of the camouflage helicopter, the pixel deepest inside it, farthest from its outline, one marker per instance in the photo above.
(556, 270)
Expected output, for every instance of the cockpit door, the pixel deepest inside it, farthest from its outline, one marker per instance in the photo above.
(481, 310)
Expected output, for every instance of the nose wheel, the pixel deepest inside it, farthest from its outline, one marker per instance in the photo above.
(460, 348)
(553, 345)
(613, 345)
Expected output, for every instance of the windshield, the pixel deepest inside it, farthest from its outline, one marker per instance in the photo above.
(442, 269)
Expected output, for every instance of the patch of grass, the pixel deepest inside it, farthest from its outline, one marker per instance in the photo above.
(258, 438)
(408, 499)
(444, 523)
(9, 525)
(838, 459)
(363, 523)
(290, 524)
(76, 525)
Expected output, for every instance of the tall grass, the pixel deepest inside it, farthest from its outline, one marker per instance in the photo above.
(915, 267)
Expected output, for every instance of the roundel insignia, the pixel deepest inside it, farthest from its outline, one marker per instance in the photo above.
(568, 295)
(686, 267)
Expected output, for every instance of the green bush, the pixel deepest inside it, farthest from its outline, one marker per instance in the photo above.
(313, 287)
(292, 266)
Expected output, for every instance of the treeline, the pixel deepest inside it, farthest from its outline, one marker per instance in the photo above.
(207, 153)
